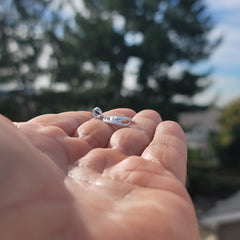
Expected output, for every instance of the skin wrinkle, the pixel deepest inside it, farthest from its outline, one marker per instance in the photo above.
(152, 153)
(129, 141)
(142, 167)
(173, 139)
(86, 174)
(63, 123)
(167, 164)
(149, 114)
(47, 130)
(77, 124)
(83, 175)
(100, 159)
(91, 129)
(100, 181)
(182, 153)
(129, 176)
(135, 163)
(163, 163)
(90, 139)
(143, 172)
(169, 129)
(146, 131)
(175, 170)
(60, 140)
(167, 175)
(82, 148)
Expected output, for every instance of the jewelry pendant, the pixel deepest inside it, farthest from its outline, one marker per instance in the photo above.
(115, 120)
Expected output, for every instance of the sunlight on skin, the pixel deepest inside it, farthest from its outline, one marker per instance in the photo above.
(68, 176)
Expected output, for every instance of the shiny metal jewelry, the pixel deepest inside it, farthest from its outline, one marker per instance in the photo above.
(116, 120)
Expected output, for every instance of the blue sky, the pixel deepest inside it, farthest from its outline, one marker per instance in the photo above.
(225, 61)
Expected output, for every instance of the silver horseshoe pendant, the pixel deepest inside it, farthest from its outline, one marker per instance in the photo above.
(115, 120)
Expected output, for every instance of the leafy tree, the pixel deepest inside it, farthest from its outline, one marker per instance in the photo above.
(94, 50)
(22, 41)
(227, 142)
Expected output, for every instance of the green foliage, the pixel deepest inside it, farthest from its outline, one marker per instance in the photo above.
(195, 155)
(91, 49)
(103, 41)
(212, 181)
(227, 142)
(22, 41)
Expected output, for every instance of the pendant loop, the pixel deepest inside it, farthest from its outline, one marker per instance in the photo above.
(97, 112)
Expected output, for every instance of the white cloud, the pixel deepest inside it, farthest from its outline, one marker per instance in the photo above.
(224, 98)
(223, 4)
(225, 60)
(223, 91)
(226, 15)
(206, 97)
(228, 52)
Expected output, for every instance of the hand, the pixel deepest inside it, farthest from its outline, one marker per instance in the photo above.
(68, 176)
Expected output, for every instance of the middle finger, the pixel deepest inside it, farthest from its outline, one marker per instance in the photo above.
(134, 139)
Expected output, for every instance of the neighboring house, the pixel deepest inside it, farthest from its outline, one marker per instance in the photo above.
(198, 126)
(223, 220)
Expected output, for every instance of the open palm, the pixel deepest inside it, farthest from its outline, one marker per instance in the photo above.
(68, 176)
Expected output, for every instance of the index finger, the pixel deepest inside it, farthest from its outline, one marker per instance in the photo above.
(67, 121)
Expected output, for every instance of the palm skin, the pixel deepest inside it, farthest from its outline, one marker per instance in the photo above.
(68, 176)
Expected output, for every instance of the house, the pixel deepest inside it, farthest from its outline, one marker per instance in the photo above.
(198, 126)
(223, 220)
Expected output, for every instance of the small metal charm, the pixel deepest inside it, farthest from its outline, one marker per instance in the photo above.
(116, 120)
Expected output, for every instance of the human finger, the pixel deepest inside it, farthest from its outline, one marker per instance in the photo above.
(54, 142)
(67, 121)
(169, 148)
(19, 158)
(97, 133)
(100, 159)
(134, 139)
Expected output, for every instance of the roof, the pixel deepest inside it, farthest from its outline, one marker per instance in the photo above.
(207, 118)
(225, 212)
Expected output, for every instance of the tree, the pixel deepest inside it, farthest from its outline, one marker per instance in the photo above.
(91, 50)
(22, 41)
(96, 47)
(227, 141)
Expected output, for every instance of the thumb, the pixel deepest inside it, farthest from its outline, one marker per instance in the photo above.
(25, 172)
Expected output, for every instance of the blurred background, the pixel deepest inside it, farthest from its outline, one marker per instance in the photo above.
(179, 57)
